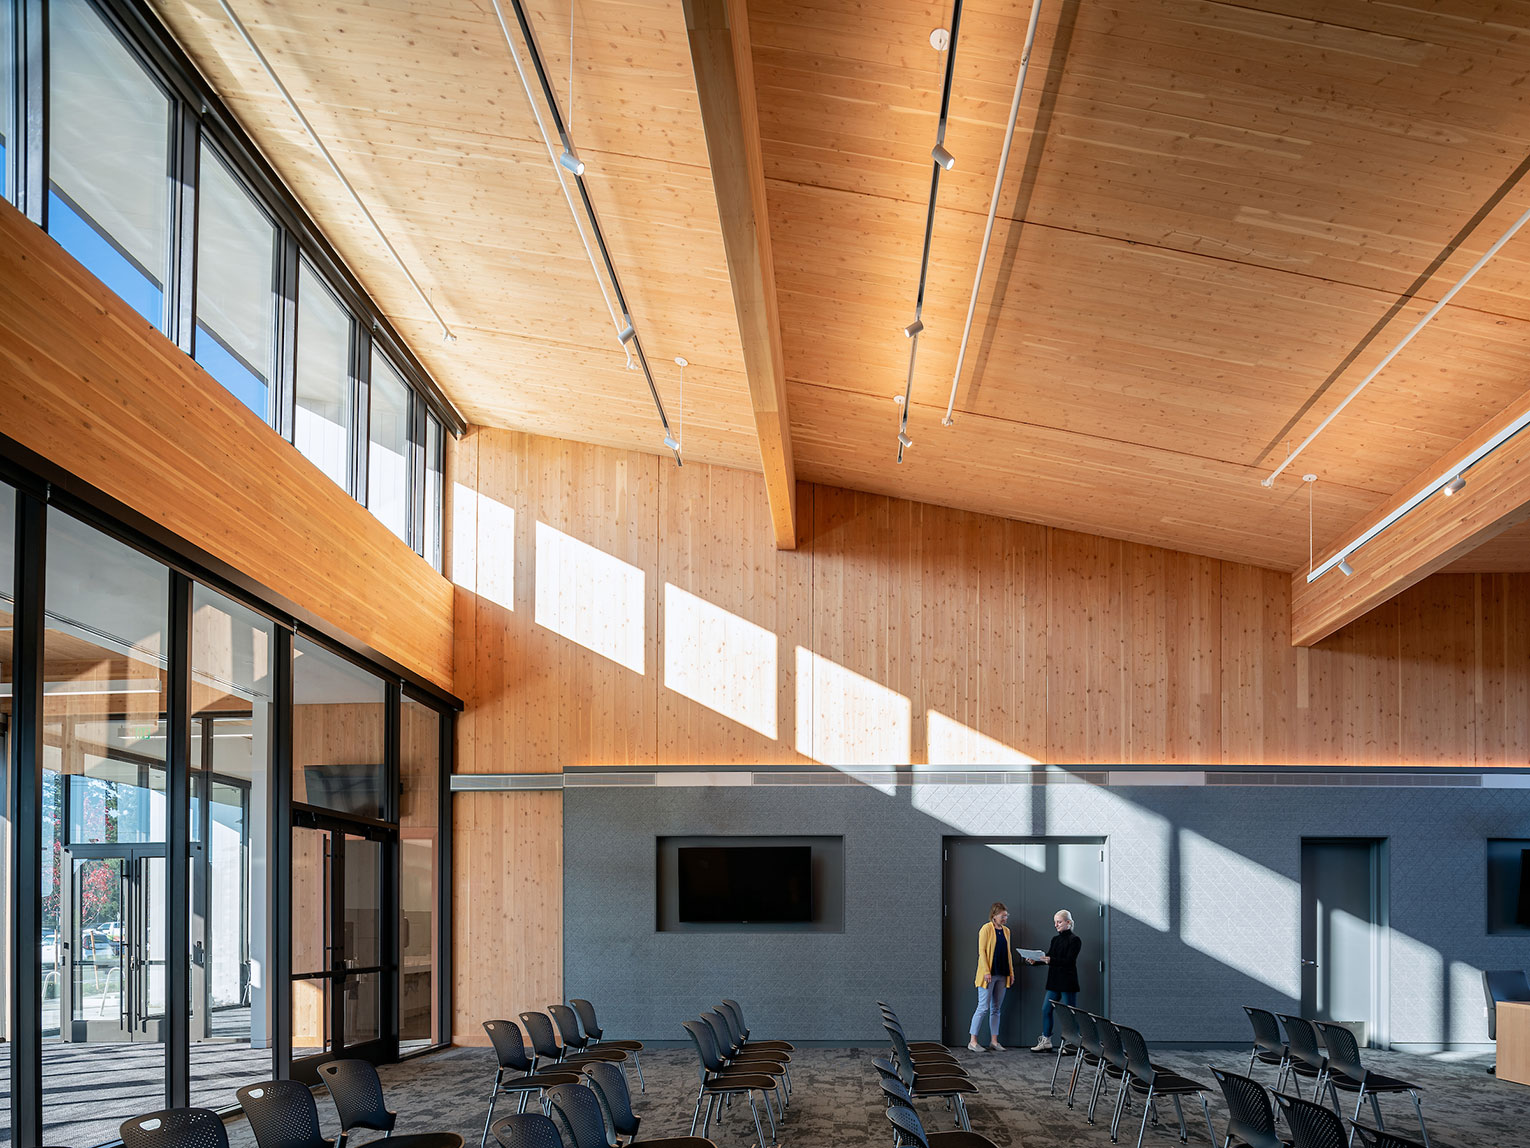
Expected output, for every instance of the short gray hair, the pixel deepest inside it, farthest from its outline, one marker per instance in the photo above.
(1063, 913)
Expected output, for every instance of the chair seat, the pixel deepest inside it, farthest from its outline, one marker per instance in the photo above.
(426, 1140)
(740, 1082)
(957, 1140)
(756, 1068)
(604, 1052)
(773, 1045)
(750, 1054)
(940, 1085)
(624, 1045)
(1270, 1057)
(1166, 1083)
(548, 1079)
(927, 1046)
(1374, 1082)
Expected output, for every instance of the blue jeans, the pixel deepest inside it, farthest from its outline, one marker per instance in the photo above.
(990, 997)
(1046, 1009)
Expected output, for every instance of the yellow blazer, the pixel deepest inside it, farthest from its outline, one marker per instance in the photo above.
(985, 955)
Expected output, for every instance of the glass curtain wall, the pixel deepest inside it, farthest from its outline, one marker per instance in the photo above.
(419, 826)
(7, 95)
(108, 158)
(104, 822)
(324, 389)
(388, 450)
(233, 653)
(7, 720)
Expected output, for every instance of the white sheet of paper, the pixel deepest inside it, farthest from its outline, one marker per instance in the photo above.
(1030, 954)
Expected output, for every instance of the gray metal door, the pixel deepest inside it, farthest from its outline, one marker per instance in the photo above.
(1034, 877)
(1343, 917)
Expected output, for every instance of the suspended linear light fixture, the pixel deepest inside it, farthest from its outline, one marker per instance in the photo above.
(941, 160)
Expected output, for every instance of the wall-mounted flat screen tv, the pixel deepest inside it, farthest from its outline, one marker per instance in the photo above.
(745, 884)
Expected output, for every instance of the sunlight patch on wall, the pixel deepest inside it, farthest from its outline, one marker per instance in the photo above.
(483, 546)
(1239, 912)
(1140, 842)
(844, 719)
(952, 743)
(1417, 975)
(464, 557)
(716, 658)
(590, 597)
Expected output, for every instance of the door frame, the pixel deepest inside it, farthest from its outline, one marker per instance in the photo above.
(1379, 1023)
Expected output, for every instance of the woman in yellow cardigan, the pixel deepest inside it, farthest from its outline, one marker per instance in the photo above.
(995, 973)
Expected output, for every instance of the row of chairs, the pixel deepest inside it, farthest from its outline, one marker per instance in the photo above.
(283, 1114)
(594, 1110)
(560, 1048)
(733, 1064)
(1252, 1110)
(1332, 1066)
(922, 1069)
(1119, 1053)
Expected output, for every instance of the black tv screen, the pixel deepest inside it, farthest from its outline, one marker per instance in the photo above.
(743, 884)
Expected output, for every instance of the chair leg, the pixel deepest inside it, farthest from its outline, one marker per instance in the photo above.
(1179, 1110)
(1418, 1106)
(489, 1119)
(696, 1112)
(1095, 1093)
(521, 1106)
(1056, 1068)
(1078, 1063)
(1206, 1112)
(1376, 1108)
(962, 1120)
(1147, 1106)
(1280, 1073)
(769, 1116)
(1119, 1106)
(638, 1064)
(759, 1136)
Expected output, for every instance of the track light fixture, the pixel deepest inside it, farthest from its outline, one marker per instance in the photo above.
(671, 442)
(571, 161)
(1345, 568)
(628, 332)
(904, 440)
(913, 328)
(1455, 485)
(941, 156)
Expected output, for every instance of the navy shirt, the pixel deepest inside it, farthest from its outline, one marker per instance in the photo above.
(1000, 966)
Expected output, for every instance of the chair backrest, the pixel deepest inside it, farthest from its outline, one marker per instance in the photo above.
(1138, 1062)
(907, 1130)
(282, 1114)
(508, 1045)
(903, 1075)
(1375, 1138)
(1343, 1050)
(610, 1085)
(540, 1029)
(1303, 1042)
(1266, 1030)
(706, 1045)
(1503, 985)
(175, 1128)
(1311, 1125)
(1249, 1115)
(900, 1046)
(1110, 1043)
(735, 1034)
(586, 1013)
(714, 1021)
(568, 1026)
(738, 1015)
(358, 1095)
(1088, 1032)
(579, 1110)
(894, 1092)
(1067, 1024)
(527, 1130)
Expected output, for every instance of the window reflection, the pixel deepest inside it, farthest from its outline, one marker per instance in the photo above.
(321, 427)
(7, 94)
(237, 247)
(419, 876)
(435, 465)
(388, 454)
(337, 733)
(108, 158)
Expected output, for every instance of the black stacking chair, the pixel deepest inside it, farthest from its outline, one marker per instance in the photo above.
(1304, 1057)
(1089, 1043)
(1345, 1071)
(893, 1091)
(510, 1050)
(597, 1038)
(932, 1084)
(1377, 1138)
(1067, 1041)
(735, 1059)
(1250, 1119)
(611, 1090)
(544, 1042)
(916, 1045)
(577, 1109)
(1311, 1125)
(175, 1128)
(576, 1042)
(941, 1062)
(743, 1030)
(282, 1114)
(1112, 1063)
(1502, 985)
(1268, 1047)
(1145, 1077)
(358, 1096)
(719, 1082)
(528, 1130)
(909, 1132)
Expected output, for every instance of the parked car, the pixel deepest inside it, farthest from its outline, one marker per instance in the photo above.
(48, 949)
(95, 948)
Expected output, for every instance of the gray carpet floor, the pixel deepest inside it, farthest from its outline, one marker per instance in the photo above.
(836, 1100)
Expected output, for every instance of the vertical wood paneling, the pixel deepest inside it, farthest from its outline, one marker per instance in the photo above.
(1439, 639)
(1090, 701)
(1261, 689)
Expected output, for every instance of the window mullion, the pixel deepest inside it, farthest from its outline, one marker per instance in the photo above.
(361, 406)
(180, 295)
(284, 385)
(31, 157)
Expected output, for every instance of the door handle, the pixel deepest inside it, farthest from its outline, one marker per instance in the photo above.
(1305, 961)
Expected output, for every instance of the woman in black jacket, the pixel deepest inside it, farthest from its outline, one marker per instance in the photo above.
(1062, 974)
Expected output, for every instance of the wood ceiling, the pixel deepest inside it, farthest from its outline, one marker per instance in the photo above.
(1217, 218)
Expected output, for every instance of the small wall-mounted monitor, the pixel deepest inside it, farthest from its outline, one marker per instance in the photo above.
(741, 884)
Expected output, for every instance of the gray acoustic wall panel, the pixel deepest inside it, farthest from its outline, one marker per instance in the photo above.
(1202, 886)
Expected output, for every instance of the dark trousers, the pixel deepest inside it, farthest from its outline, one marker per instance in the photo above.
(1053, 996)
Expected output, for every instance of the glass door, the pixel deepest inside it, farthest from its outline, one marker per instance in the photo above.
(340, 955)
(113, 952)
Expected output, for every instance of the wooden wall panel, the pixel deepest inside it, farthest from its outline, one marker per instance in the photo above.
(90, 385)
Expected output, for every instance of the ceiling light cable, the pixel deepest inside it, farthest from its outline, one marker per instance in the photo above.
(993, 204)
(1406, 339)
(937, 164)
(634, 344)
(244, 33)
